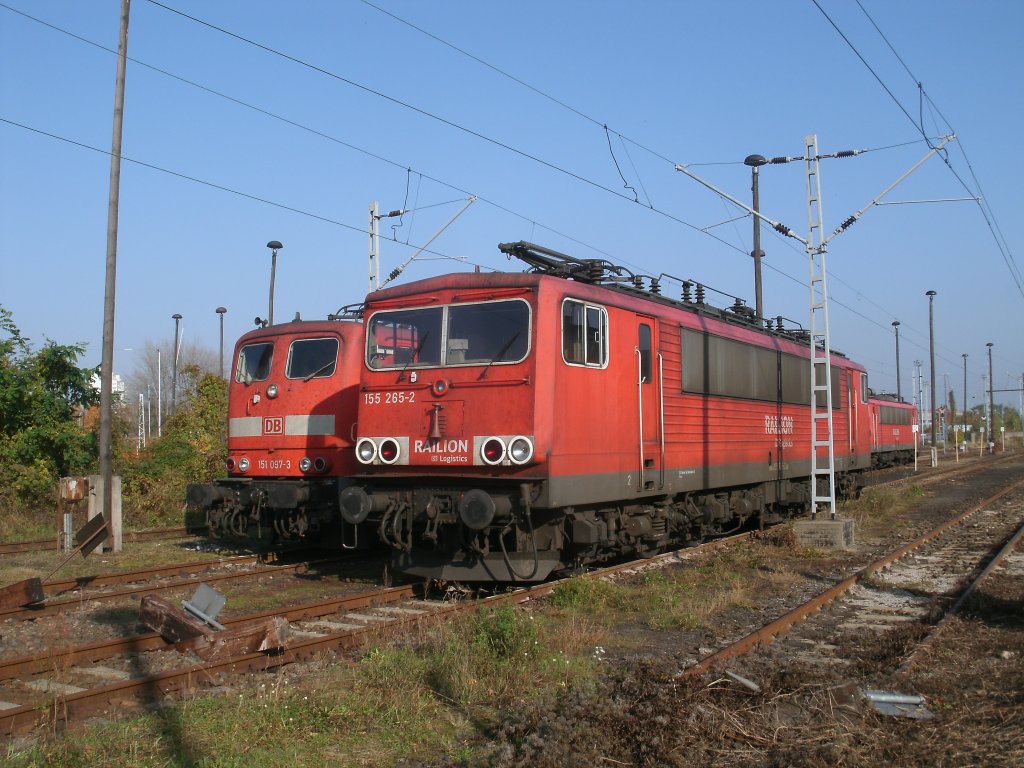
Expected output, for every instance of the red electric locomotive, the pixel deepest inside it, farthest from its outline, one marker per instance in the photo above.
(510, 425)
(291, 419)
(893, 430)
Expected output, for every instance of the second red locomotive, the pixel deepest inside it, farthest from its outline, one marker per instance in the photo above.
(291, 416)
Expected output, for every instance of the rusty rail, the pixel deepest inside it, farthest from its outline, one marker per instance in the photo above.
(798, 614)
(45, 545)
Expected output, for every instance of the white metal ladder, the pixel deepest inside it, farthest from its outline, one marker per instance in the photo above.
(822, 448)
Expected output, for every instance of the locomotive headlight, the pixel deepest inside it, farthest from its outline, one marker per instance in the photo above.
(520, 450)
(272, 391)
(389, 450)
(305, 463)
(231, 465)
(366, 450)
(243, 464)
(320, 464)
(493, 450)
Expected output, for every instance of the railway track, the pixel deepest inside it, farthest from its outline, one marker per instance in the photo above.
(929, 475)
(59, 687)
(90, 589)
(931, 575)
(46, 545)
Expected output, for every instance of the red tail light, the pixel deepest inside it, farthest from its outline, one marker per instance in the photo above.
(389, 451)
(493, 450)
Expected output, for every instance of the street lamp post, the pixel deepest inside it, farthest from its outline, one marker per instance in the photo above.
(991, 402)
(174, 365)
(274, 247)
(899, 395)
(931, 350)
(220, 311)
(755, 162)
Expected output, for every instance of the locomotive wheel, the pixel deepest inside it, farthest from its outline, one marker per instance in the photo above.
(649, 552)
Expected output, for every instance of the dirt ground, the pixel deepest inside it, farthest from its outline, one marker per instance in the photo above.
(644, 712)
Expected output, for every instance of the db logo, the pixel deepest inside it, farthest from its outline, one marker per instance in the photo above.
(273, 425)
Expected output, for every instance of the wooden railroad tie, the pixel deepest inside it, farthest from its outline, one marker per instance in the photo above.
(188, 632)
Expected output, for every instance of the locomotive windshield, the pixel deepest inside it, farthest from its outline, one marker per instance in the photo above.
(488, 333)
(254, 363)
(312, 358)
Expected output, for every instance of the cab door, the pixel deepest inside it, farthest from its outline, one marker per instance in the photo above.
(650, 406)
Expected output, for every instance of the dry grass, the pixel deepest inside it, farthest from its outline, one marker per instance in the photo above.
(881, 508)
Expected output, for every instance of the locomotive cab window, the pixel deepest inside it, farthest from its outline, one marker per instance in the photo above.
(406, 338)
(489, 332)
(254, 362)
(482, 333)
(312, 358)
(584, 334)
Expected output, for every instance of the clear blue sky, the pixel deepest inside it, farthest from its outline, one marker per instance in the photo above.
(386, 102)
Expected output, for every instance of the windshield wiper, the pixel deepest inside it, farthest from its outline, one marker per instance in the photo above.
(413, 356)
(500, 353)
(318, 371)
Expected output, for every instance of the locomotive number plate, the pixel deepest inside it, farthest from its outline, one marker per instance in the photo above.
(388, 398)
(273, 463)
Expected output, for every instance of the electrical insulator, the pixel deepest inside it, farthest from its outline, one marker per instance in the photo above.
(782, 229)
(700, 293)
(394, 273)
(686, 290)
(848, 223)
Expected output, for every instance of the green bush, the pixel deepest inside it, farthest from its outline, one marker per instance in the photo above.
(502, 634)
(43, 395)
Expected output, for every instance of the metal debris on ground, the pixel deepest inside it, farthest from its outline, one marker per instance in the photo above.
(205, 604)
(898, 704)
(744, 681)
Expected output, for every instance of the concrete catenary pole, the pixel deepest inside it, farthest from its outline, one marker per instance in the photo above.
(107, 357)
